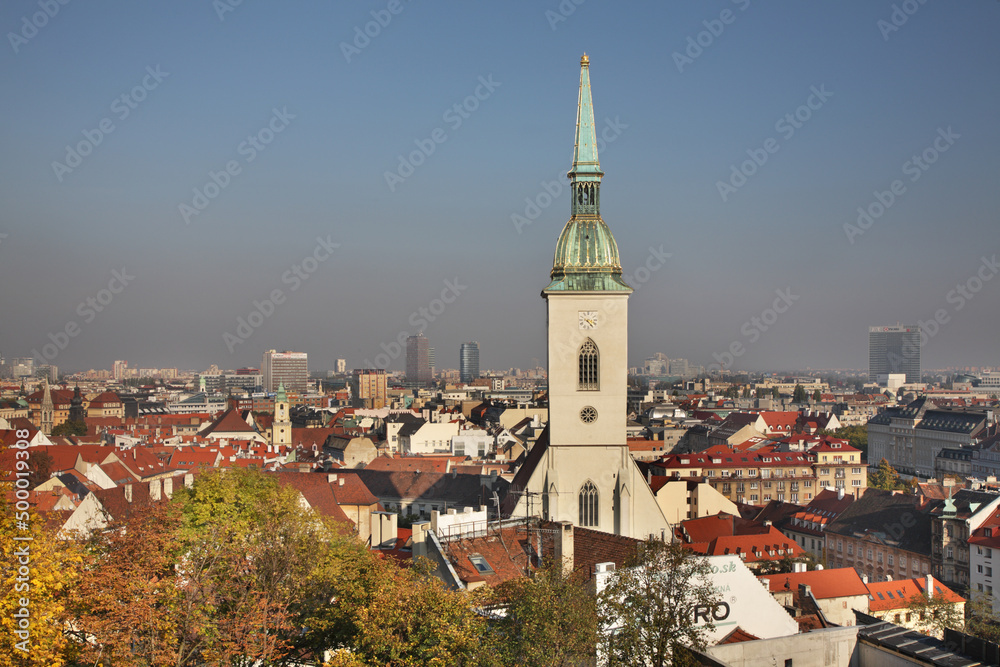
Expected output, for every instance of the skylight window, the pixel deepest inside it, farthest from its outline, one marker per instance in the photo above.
(480, 564)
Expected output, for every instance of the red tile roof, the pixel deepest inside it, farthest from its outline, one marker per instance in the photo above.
(229, 421)
(885, 595)
(825, 584)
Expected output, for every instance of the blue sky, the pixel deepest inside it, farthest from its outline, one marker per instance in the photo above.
(347, 110)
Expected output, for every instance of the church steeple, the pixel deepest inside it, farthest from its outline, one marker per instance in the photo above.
(586, 257)
(47, 410)
(586, 167)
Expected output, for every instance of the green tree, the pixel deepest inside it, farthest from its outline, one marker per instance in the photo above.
(799, 395)
(856, 436)
(980, 619)
(885, 477)
(817, 396)
(547, 621)
(646, 612)
(69, 428)
(935, 613)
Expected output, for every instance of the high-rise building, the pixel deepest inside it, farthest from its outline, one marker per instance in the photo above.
(290, 369)
(894, 349)
(468, 364)
(658, 364)
(583, 472)
(418, 367)
(368, 388)
(431, 360)
(22, 367)
(341, 366)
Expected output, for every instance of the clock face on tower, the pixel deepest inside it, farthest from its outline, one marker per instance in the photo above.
(588, 319)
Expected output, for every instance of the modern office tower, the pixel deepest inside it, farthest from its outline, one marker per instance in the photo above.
(468, 366)
(894, 349)
(341, 366)
(679, 367)
(418, 367)
(22, 367)
(119, 370)
(431, 360)
(288, 368)
(658, 364)
(368, 388)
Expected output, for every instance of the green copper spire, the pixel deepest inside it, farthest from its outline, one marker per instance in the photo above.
(281, 396)
(586, 258)
(585, 164)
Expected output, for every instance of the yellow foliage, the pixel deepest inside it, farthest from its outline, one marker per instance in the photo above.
(37, 571)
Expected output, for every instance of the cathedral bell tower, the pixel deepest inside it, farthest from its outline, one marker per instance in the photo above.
(582, 471)
(587, 306)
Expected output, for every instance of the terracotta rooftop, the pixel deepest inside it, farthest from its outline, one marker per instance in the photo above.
(885, 595)
(825, 584)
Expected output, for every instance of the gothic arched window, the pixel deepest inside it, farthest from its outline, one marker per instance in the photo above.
(589, 364)
(588, 504)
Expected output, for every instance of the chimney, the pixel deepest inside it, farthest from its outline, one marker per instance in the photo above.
(766, 583)
(864, 579)
(564, 553)
(188, 480)
(384, 530)
(168, 487)
(805, 590)
(128, 493)
(420, 529)
(840, 493)
(154, 490)
(340, 481)
(929, 585)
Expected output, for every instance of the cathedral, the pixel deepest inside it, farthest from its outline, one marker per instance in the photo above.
(581, 470)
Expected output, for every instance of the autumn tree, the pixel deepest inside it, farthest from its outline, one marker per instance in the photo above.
(36, 572)
(885, 477)
(124, 606)
(648, 611)
(549, 620)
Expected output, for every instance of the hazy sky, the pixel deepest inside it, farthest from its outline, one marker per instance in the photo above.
(310, 114)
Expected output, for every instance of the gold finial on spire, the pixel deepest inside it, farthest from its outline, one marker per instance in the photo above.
(585, 60)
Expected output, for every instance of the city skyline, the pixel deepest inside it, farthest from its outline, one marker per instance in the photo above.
(738, 151)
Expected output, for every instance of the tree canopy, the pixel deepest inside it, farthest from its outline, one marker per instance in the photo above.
(885, 477)
(646, 610)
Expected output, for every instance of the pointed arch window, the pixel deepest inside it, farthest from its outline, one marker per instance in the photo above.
(588, 504)
(589, 362)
